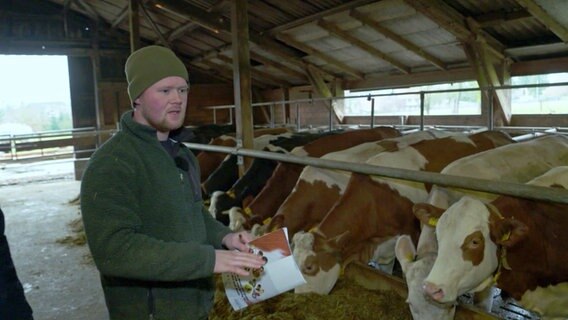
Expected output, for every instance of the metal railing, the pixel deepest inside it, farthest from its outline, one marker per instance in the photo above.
(490, 186)
(51, 144)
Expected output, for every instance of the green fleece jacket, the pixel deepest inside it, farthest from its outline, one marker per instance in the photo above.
(151, 237)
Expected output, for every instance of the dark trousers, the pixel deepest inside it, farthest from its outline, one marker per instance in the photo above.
(13, 303)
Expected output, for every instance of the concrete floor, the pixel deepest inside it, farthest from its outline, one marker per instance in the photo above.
(59, 280)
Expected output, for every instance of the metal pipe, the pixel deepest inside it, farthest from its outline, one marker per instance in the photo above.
(498, 187)
(330, 114)
(372, 111)
(422, 110)
(491, 120)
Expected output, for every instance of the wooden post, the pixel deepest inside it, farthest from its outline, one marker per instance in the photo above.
(242, 79)
(134, 25)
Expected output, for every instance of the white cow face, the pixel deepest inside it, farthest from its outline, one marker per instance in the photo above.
(467, 257)
(415, 271)
(321, 270)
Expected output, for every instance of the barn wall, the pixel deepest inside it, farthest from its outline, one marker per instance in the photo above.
(113, 101)
(203, 96)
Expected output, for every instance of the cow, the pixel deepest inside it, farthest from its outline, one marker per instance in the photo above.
(317, 189)
(375, 209)
(225, 175)
(253, 180)
(518, 162)
(518, 244)
(209, 160)
(201, 134)
(285, 176)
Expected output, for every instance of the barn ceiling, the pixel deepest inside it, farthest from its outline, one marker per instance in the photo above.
(363, 43)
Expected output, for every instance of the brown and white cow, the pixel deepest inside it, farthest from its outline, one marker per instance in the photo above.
(209, 160)
(373, 210)
(317, 189)
(518, 162)
(285, 176)
(520, 245)
(223, 177)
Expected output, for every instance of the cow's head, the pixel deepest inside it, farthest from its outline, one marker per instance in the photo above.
(236, 219)
(417, 263)
(321, 268)
(415, 270)
(469, 234)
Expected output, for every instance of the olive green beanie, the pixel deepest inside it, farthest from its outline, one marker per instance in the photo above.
(148, 65)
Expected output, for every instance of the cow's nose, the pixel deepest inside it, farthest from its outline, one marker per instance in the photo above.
(432, 290)
(310, 266)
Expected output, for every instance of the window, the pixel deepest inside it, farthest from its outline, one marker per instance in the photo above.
(462, 99)
(540, 100)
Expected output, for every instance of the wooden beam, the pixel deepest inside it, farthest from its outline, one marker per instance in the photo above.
(492, 19)
(453, 22)
(487, 78)
(503, 106)
(398, 39)
(227, 72)
(263, 76)
(277, 65)
(91, 12)
(134, 25)
(545, 18)
(319, 15)
(123, 14)
(217, 23)
(212, 73)
(323, 90)
(218, 6)
(181, 30)
(346, 36)
(157, 31)
(242, 78)
(313, 52)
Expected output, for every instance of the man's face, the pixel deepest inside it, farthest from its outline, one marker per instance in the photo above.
(162, 105)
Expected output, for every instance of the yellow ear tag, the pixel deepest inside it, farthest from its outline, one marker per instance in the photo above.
(432, 222)
(231, 194)
(506, 236)
(266, 221)
(248, 211)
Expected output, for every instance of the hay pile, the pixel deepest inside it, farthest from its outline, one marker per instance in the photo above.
(346, 301)
(78, 237)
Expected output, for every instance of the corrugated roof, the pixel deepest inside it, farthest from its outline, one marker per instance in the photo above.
(349, 40)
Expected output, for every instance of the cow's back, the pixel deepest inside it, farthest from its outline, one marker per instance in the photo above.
(517, 162)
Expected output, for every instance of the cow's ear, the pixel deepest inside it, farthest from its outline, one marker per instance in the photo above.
(427, 213)
(510, 231)
(405, 251)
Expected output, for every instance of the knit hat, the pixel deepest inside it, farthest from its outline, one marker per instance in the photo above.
(148, 65)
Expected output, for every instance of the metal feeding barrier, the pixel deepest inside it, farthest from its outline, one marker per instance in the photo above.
(499, 187)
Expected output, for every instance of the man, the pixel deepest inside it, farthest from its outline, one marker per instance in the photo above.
(152, 240)
(13, 304)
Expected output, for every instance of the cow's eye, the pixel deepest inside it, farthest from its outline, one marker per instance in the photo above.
(475, 242)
